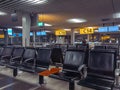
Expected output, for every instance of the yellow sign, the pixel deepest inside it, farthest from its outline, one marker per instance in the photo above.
(60, 32)
(2, 36)
(105, 37)
(87, 31)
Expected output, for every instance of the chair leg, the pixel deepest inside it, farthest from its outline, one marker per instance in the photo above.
(41, 79)
(71, 85)
(15, 72)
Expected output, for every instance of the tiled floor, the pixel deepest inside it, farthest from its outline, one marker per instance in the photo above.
(27, 81)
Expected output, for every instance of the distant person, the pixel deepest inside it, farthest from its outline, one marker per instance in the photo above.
(84, 42)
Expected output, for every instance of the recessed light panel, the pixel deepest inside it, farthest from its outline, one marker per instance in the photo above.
(2, 13)
(116, 15)
(34, 2)
(46, 24)
(76, 20)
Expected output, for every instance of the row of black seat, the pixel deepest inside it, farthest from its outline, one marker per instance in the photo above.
(100, 65)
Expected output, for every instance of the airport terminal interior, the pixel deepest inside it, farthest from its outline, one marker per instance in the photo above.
(59, 44)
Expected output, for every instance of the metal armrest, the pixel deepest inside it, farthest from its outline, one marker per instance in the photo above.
(5, 57)
(117, 73)
(28, 60)
(83, 71)
(14, 58)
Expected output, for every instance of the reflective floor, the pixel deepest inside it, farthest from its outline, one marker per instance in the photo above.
(27, 81)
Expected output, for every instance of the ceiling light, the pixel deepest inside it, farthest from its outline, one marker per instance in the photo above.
(20, 27)
(2, 13)
(47, 31)
(116, 15)
(36, 1)
(67, 29)
(76, 20)
(95, 30)
(46, 24)
(76, 32)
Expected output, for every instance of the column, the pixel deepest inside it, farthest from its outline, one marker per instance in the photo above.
(72, 36)
(34, 37)
(26, 23)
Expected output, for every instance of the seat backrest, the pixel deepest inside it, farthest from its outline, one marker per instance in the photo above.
(71, 47)
(99, 47)
(112, 47)
(56, 55)
(1, 50)
(29, 53)
(18, 51)
(73, 59)
(7, 51)
(102, 63)
(43, 57)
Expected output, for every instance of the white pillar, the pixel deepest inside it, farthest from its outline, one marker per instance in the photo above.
(26, 23)
(72, 36)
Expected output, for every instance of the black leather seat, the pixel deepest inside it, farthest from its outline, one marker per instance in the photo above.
(56, 56)
(100, 47)
(74, 60)
(6, 55)
(101, 70)
(16, 57)
(42, 59)
(28, 60)
(1, 50)
(112, 47)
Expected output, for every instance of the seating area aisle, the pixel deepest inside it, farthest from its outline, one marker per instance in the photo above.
(27, 81)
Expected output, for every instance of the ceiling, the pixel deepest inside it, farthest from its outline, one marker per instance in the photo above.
(57, 12)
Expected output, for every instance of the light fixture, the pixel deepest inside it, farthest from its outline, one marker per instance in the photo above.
(46, 24)
(35, 1)
(2, 13)
(67, 29)
(76, 20)
(20, 27)
(116, 15)
(47, 31)
(76, 32)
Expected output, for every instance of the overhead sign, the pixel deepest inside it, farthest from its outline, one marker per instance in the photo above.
(41, 33)
(87, 31)
(108, 29)
(2, 35)
(40, 24)
(10, 31)
(60, 32)
(105, 37)
(113, 28)
(103, 29)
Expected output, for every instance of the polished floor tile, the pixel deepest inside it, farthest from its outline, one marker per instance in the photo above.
(27, 81)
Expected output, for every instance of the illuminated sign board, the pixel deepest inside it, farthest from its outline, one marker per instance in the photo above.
(2, 36)
(9, 30)
(87, 31)
(20, 34)
(103, 29)
(41, 33)
(40, 24)
(108, 29)
(105, 37)
(60, 32)
(113, 28)
(31, 33)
